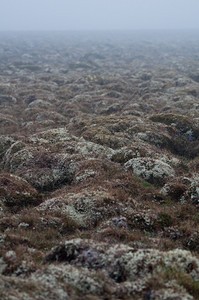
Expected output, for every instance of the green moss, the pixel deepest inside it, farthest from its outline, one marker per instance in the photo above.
(146, 184)
(142, 182)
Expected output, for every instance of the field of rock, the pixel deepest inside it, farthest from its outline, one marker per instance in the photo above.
(99, 165)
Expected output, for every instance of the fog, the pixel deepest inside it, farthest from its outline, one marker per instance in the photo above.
(98, 14)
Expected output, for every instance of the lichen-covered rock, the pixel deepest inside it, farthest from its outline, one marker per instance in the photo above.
(103, 137)
(50, 158)
(60, 140)
(193, 190)
(129, 269)
(86, 282)
(152, 170)
(86, 208)
(142, 219)
(175, 189)
(43, 169)
(183, 189)
(176, 293)
(124, 154)
(5, 143)
(19, 288)
(12, 151)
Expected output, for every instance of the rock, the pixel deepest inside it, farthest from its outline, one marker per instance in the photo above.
(87, 282)
(175, 190)
(86, 208)
(184, 125)
(151, 170)
(5, 143)
(41, 168)
(120, 222)
(127, 268)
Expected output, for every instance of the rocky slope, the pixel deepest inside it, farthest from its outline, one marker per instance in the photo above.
(99, 157)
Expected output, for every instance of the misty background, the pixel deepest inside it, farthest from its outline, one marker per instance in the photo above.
(98, 14)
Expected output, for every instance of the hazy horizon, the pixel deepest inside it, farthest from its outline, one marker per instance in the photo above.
(76, 15)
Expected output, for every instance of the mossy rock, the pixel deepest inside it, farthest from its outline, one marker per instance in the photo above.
(183, 124)
(17, 146)
(43, 169)
(121, 156)
(5, 143)
(153, 171)
(174, 190)
(103, 137)
(8, 122)
(17, 192)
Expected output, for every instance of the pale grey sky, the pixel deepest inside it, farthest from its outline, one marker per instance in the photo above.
(98, 14)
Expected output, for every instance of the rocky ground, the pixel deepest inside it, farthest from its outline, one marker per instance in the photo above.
(99, 157)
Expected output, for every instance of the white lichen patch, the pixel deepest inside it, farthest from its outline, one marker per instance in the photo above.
(84, 280)
(60, 205)
(85, 147)
(85, 208)
(152, 170)
(54, 135)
